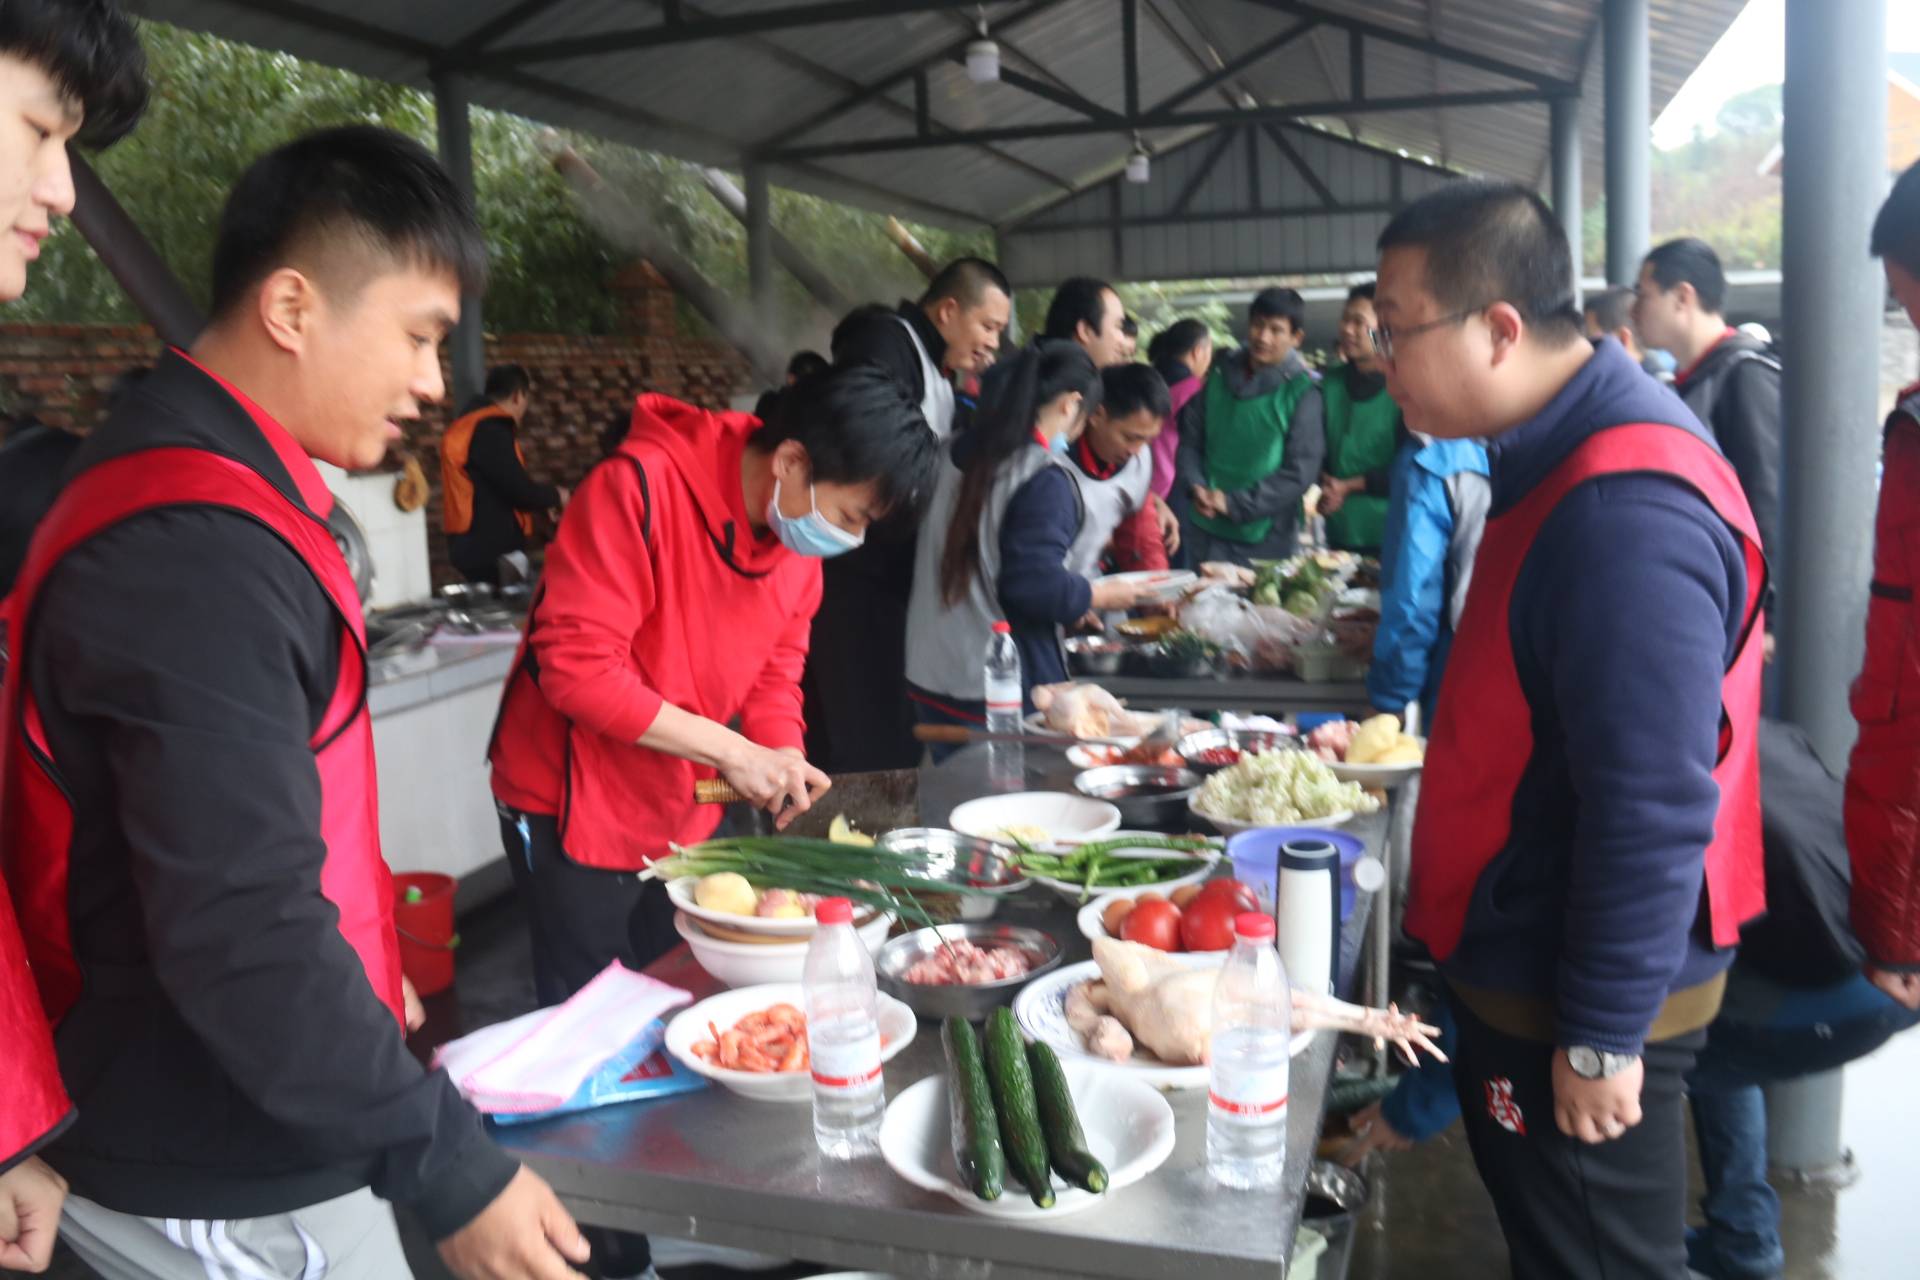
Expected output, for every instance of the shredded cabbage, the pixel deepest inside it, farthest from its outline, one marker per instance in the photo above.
(1276, 788)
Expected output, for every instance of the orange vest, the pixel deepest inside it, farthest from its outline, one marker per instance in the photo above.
(456, 486)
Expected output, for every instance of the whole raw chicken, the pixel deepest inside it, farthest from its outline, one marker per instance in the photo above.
(1168, 1006)
(1081, 710)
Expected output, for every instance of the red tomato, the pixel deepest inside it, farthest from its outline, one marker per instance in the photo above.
(1153, 924)
(1233, 890)
(1207, 925)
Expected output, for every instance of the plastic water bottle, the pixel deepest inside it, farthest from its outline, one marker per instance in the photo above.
(1006, 761)
(1249, 1061)
(843, 1035)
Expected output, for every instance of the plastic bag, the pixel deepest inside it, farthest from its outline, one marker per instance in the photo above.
(640, 1071)
(1254, 637)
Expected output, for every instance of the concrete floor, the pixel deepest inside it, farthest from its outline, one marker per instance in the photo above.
(1429, 1218)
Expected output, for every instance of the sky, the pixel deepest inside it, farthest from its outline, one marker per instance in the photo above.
(1753, 53)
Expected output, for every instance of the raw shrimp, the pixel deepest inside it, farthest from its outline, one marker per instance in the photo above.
(773, 1039)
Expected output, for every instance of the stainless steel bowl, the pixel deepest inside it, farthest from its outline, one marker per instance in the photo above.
(1095, 655)
(973, 1002)
(986, 867)
(1248, 742)
(1166, 803)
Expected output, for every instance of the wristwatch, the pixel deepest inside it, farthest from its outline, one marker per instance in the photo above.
(1592, 1064)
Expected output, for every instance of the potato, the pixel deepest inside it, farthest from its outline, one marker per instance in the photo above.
(1116, 915)
(1184, 894)
(1404, 751)
(726, 891)
(1373, 739)
(840, 831)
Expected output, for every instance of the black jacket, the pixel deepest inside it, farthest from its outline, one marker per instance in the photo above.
(1735, 390)
(858, 716)
(501, 490)
(228, 1055)
(31, 463)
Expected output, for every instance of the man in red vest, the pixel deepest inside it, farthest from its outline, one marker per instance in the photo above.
(70, 70)
(1588, 838)
(188, 822)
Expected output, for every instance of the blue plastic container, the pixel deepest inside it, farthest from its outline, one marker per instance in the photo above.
(1256, 859)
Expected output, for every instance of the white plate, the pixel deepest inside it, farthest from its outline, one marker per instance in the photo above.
(1091, 917)
(1228, 827)
(1041, 1011)
(897, 1029)
(1036, 722)
(1379, 775)
(1160, 586)
(1203, 867)
(1067, 818)
(1129, 1129)
(797, 928)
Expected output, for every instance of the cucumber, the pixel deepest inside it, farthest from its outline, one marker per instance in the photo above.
(1013, 1097)
(976, 1129)
(1066, 1145)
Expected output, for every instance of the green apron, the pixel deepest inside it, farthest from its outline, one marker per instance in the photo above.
(1246, 443)
(1360, 439)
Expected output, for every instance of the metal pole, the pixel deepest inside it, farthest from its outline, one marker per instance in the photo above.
(1566, 180)
(467, 344)
(1835, 176)
(1629, 138)
(121, 247)
(759, 240)
(811, 278)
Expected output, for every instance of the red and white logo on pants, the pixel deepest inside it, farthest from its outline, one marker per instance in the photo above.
(1501, 1106)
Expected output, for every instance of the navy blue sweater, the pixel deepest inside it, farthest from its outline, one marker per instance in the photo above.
(1624, 617)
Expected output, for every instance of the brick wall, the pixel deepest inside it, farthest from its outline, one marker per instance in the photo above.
(61, 373)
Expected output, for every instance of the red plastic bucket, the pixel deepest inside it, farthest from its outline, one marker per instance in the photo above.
(423, 917)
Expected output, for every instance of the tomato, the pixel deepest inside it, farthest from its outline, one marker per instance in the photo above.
(1153, 924)
(1234, 891)
(1208, 924)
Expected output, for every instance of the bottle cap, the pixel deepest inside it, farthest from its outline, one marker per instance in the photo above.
(1003, 628)
(1253, 926)
(837, 911)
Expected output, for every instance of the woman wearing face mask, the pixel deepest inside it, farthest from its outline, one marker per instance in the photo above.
(994, 545)
(677, 596)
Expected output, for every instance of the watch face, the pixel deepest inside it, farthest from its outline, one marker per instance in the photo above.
(1584, 1061)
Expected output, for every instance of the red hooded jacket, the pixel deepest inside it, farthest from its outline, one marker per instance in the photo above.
(655, 590)
(1883, 778)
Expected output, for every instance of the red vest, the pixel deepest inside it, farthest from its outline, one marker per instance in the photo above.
(1483, 726)
(36, 818)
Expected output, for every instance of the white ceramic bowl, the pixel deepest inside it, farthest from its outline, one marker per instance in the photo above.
(1228, 827)
(1068, 819)
(1128, 1127)
(1379, 775)
(794, 928)
(897, 1029)
(747, 964)
(1204, 863)
(1091, 918)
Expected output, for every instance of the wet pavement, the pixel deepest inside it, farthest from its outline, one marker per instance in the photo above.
(1428, 1218)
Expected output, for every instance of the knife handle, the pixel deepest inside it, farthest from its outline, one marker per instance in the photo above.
(944, 733)
(715, 791)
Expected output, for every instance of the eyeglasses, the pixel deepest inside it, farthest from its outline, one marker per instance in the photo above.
(1383, 337)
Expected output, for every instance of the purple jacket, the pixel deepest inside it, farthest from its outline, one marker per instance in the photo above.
(1166, 446)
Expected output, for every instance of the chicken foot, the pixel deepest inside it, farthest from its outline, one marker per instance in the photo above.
(1315, 1012)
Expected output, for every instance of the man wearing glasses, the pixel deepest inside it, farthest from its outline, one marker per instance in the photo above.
(1588, 839)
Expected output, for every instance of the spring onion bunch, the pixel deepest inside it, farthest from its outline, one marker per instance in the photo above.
(873, 877)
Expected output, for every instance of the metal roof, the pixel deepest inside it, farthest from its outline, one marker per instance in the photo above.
(868, 100)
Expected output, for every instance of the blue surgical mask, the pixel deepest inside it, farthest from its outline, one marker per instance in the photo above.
(1060, 444)
(812, 534)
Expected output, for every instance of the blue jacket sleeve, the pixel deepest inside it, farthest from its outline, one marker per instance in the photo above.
(1041, 522)
(1413, 573)
(1423, 1104)
(1628, 646)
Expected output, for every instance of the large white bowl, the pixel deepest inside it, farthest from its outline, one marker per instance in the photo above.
(1092, 917)
(1041, 1011)
(1204, 863)
(747, 964)
(1378, 775)
(798, 928)
(1128, 1127)
(1229, 827)
(1068, 819)
(897, 1029)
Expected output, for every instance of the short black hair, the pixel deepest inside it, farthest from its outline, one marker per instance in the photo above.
(1691, 261)
(1282, 304)
(90, 50)
(967, 281)
(857, 425)
(805, 364)
(359, 186)
(505, 381)
(1612, 309)
(1489, 242)
(1126, 389)
(1896, 229)
(1171, 346)
(1079, 299)
(1361, 291)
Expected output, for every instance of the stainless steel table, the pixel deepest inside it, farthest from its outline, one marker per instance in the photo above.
(1268, 695)
(713, 1166)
